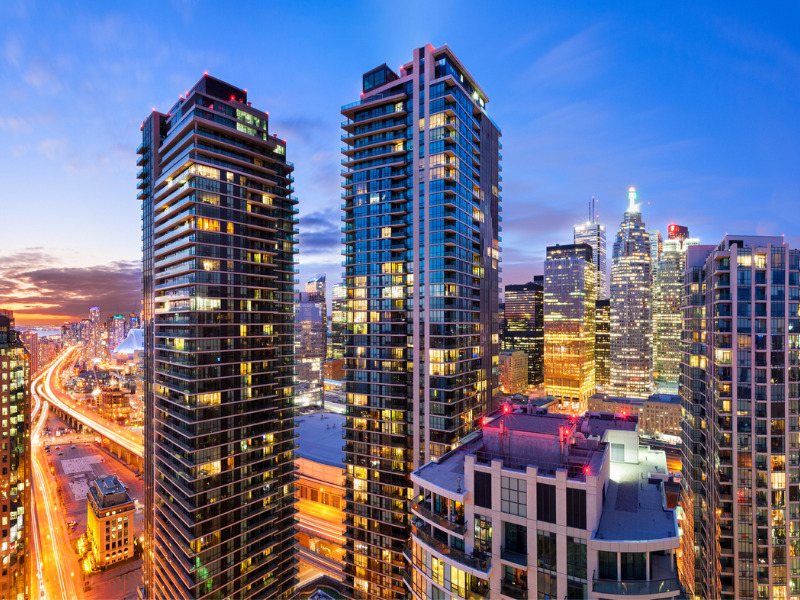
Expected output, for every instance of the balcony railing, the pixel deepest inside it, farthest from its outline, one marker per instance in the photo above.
(474, 562)
(635, 588)
(513, 590)
(514, 556)
(458, 527)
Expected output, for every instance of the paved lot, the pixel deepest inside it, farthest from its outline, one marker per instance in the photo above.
(75, 469)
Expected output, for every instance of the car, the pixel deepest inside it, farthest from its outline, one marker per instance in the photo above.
(58, 447)
(73, 446)
(60, 453)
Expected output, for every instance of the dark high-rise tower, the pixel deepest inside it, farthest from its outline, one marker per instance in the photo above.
(421, 222)
(219, 231)
(524, 325)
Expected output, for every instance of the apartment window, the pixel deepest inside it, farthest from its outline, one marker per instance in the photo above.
(546, 502)
(633, 566)
(483, 533)
(576, 508)
(546, 550)
(513, 496)
(547, 586)
(607, 565)
(516, 538)
(576, 558)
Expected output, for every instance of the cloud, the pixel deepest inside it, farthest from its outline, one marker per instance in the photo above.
(14, 124)
(320, 233)
(52, 148)
(33, 281)
(13, 51)
(570, 61)
(41, 77)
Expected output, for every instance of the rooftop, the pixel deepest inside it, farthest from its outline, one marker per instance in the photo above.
(320, 438)
(109, 491)
(634, 509)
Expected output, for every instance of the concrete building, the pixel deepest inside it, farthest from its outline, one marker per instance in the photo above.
(602, 344)
(569, 325)
(109, 526)
(594, 234)
(219, 235)
(523, 317)
(667, 317)
(513, 372)
(740, 388)
(545, 506)
(15, 453)
(659, 414)
(421, 224)
(631, 306)
(321, 490)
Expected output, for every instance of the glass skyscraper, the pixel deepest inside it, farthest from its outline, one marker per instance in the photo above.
(524, 325)
(569, 325)
(219, 234)
(311, 330)
(594, 234)
(631, 306)
(422, 223)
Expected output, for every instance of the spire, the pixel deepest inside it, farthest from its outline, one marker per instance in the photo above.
(633, 207)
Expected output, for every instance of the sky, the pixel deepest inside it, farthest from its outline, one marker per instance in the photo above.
(695, 104)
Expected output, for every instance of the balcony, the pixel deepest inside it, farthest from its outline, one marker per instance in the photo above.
(514, 590)
(513, 556)
(424, 510)
(478, 563)
(635, 588)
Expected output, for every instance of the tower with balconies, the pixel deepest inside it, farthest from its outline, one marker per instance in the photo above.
(421, 261)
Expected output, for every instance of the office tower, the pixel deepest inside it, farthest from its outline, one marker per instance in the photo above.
(594, 234)
(602, 344)
(219, 231)
(15, 511)
(311, 337)
(421, 223)
(30, 340)
(741, 397)
(338, 307)
(570, 282)
(667, 317)
(656, 247)
(96, 332)
(116, 331)
(524, 325)
(631, 306)
(546, 506)
(677, 232)
(132, 323)
(513, 372)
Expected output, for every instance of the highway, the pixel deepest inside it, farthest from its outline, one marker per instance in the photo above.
(56, 562)
(52, 393)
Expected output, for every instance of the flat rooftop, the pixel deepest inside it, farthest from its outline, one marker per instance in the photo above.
(320, 438)
(634, 507)
(109, 485)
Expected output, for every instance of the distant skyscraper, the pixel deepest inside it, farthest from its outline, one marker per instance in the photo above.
(656, 247)
(740, 389)
(570, 281)
(677, 232)
(602, 344)
(17, 478)
(667, 317)
(96, 332)
(132, 323)
(594, 234)
(219, 226)
(631, 306)
(116, 331)
(31, 341)
(421, 220)
(311, 338)
(338, 306)
(524, 325)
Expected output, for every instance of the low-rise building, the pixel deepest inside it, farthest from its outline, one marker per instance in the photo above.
(659, 414)
(513, 372)
(540, 505)
(110, 521)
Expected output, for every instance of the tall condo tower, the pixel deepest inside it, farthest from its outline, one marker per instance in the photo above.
(338, 306)
(219, 234)
(631, 306)
(421, 224)
(667, 317)
(740, 392)
(17, 480)
(524, 325)
(594, 234)
(569, 325)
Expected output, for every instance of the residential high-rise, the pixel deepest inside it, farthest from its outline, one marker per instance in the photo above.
(524, 325)
(338, 307)
(667, 317)
(546, 506)
(132, 322)
(219, 232)
(602, 344)
(30, 339)
(116, 331)
(569, 325)
(96, 332)
(740, 388)
(631, 306)
(594, 234)
(15, 511)
(421, 223)
(311, 331)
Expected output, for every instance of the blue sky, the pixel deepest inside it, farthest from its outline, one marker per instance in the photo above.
(693, 103)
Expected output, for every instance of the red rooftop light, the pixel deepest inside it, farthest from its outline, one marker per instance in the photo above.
(587, 470)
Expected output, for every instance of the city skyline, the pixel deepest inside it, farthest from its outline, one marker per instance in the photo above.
(600, 122)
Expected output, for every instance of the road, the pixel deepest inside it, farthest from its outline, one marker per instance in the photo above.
(56, 561)
(53, 393)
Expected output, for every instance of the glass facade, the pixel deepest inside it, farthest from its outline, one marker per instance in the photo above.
(219, 231)
(311, 336)
(569, 326)
(594, 234)
(523, 327)
(421, 223)
(602, 344)
(631, 306)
